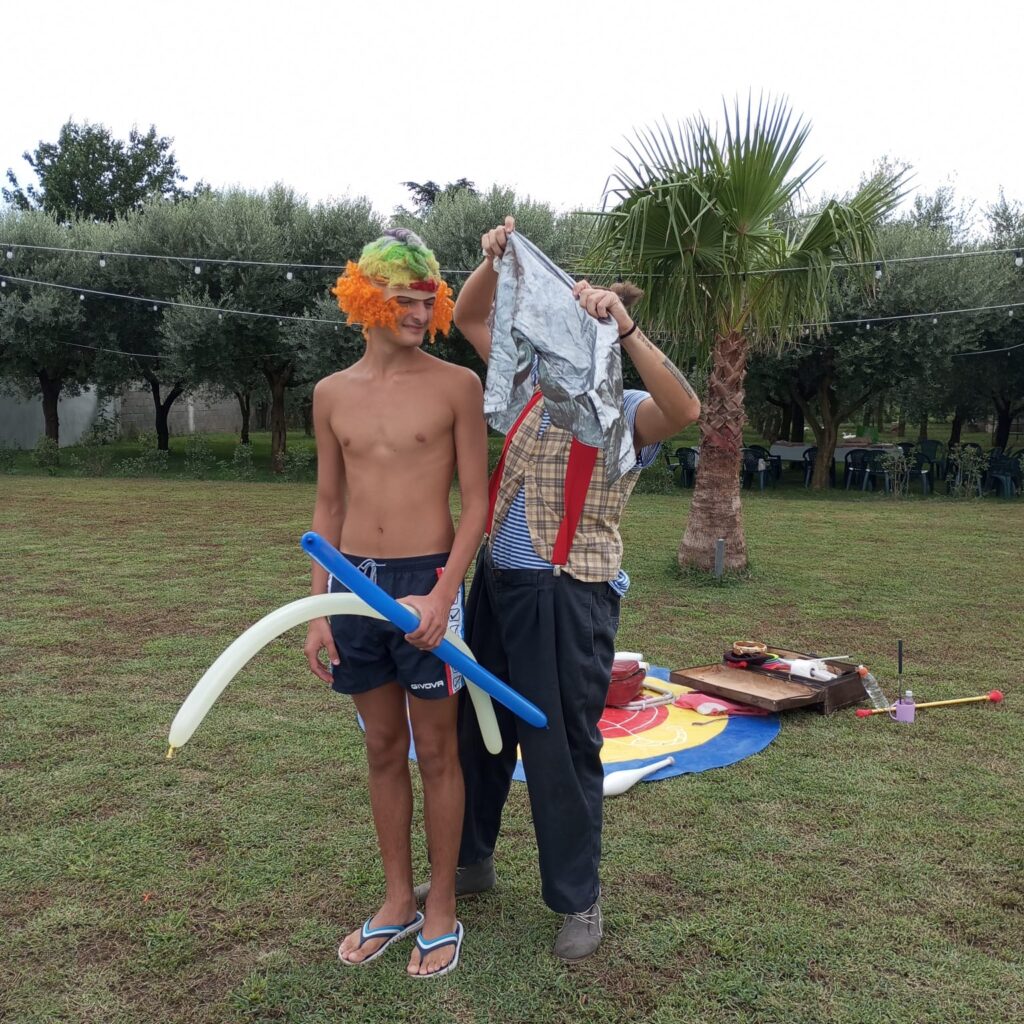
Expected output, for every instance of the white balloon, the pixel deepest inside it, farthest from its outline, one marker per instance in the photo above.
(616, 783)
(257, 636)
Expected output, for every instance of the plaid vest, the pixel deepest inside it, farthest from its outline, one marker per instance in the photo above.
(538, 464)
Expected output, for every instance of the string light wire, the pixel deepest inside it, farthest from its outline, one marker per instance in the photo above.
(866, 321)
(289, 267)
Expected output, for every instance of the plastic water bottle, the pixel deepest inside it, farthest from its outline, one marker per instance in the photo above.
(873, 690)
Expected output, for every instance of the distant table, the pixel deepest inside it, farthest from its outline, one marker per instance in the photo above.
(794, 452)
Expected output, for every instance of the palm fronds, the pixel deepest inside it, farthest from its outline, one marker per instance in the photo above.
(701, 220)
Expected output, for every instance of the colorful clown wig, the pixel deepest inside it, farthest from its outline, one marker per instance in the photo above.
(398, 259)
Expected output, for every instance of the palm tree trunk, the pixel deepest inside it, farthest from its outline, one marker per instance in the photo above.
(715, 510)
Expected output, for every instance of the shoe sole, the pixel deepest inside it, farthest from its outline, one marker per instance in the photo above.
(574, 959)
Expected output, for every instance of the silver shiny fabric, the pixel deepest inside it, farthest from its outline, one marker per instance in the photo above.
(580, 363)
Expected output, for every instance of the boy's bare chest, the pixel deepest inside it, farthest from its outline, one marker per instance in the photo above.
(382, 422)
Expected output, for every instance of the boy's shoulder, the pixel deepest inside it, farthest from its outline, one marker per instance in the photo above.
(458, 376)
(333, 381)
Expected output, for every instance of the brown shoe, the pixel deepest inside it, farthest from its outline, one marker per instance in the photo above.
(580, 936)
(469, 881)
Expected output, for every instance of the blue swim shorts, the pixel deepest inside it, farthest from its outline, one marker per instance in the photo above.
(374, 652)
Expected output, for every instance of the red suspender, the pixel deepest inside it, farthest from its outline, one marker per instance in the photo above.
(577, 481)
(578, 473)
(494, 484)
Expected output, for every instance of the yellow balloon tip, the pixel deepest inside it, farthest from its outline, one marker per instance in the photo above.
(170, 753)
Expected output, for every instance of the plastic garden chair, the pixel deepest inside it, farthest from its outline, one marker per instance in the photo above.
(1003, 474)
(935, 452)
(773, 462)
(855, 468)
(875, 469)
(684, 467)
(752, 465)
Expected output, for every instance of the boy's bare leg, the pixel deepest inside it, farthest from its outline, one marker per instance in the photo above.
(387, 752)
(437, 751)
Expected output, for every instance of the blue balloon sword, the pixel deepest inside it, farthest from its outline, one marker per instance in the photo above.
(362, 586)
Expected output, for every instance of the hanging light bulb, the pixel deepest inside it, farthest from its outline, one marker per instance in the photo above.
(1009, 312)
(1018, 259)
(3, 284)
(935, 319)
(103, 260)
(289, 276)
(220, 316)
(197, 269)
(10, 254)
(867, 326)
(81, 297)
(878, 271)
(155, 308)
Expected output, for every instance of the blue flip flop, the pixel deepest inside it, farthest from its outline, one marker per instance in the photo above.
(393, 932)
(426, 946)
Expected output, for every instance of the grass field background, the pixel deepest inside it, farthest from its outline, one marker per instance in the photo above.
(854, 871)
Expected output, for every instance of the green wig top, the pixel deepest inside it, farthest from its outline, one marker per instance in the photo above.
(400, 259)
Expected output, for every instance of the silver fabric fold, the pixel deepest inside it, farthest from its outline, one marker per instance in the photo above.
(579, 361)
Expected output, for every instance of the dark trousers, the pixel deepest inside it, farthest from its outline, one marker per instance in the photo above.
(552, 638)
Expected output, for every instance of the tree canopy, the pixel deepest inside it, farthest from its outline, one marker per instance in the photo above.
(89, 173)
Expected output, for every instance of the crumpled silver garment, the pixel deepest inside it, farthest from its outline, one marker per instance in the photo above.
(579, 359)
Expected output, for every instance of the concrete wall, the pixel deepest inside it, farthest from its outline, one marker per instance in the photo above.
(21, 422)
(197, 414)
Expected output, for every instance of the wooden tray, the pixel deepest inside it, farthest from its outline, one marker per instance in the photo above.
(775, 691)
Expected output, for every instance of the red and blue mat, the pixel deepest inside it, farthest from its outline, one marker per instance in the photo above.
(696, 742)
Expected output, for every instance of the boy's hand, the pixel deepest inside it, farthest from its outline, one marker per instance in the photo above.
(493, 243)
(433, 611)
(601, 304)
(319, 638)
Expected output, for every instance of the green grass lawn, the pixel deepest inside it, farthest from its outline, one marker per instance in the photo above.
(854, 871)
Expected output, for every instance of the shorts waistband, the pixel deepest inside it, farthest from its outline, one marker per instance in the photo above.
(405, 564)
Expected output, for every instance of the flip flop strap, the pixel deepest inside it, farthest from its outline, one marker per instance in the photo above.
(429, 945)
(384, 930)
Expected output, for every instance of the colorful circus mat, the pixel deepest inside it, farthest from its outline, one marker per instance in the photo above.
(696, 742)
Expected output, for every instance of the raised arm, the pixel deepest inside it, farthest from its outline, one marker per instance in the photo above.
(673, 404)
(328, 516)
(473, 306)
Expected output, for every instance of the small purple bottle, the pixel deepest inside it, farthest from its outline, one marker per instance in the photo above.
(905, 708)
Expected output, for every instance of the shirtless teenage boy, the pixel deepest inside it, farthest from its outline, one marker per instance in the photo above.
(391, 431)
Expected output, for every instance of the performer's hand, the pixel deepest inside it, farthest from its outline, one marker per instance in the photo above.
(601, 303)
(493, 243)
(433, 611)
(319, 638)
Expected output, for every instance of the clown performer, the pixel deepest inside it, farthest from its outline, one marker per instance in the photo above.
(546, 621)
(391, 431)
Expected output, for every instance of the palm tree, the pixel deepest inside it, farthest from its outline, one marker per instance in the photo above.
(706, 226)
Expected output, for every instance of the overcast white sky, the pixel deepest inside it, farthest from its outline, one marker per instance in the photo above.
(347, 98)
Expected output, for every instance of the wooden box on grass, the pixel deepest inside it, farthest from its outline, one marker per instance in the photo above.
(775, 690)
